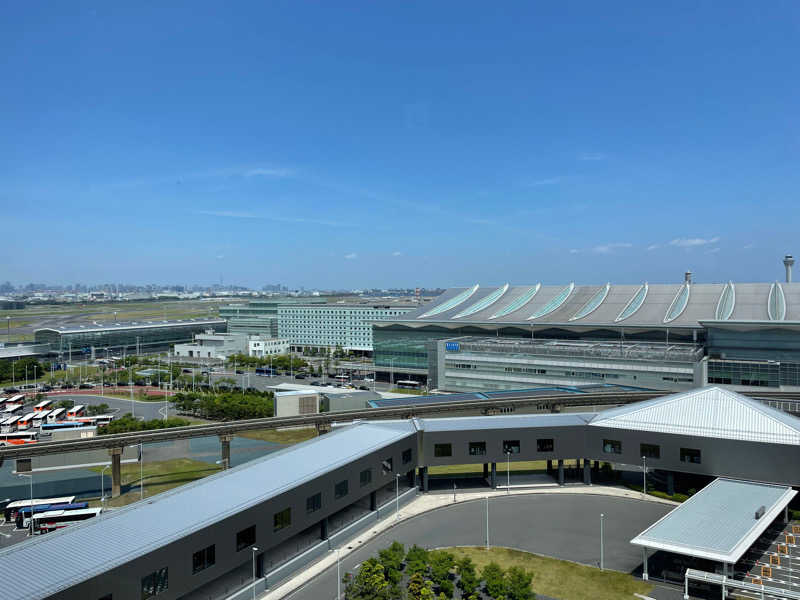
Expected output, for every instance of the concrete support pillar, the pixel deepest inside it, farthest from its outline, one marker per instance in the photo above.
(424, 479)
(549, 466)
(493, 480)
(116, 472)
(786, 514)
(373, 500)
(596, 466)
(323, 529)
(645, 576)
(560, 471)
(486, 471)
(225, 450)
(587, 473)
(670, 483)
(410, 477)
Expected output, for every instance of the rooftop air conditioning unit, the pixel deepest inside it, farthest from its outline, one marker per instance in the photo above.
(760, 512)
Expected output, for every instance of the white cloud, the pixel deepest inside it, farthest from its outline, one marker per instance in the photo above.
(269, 172)
(609, 248)
(351, 256)
(592, 156)
(574, 251)
(652, 247)
(712, 251)
(397, 253)
(692, 242)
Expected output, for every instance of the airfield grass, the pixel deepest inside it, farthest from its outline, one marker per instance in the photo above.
(281, 436)
(559, 578)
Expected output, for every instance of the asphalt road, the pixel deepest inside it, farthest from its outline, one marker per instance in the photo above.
(117, 406)
(262, 383)
(563, 526)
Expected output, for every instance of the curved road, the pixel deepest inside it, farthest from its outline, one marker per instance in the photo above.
(559, 525)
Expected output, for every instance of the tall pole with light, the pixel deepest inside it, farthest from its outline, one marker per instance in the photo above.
(508, 471)
(602, 563)
(487, 522)
(644, 475)
(254, 549)
(103, 484)
(397, 496)
(338, 576)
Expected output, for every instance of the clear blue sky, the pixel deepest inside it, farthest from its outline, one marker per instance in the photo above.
(344, 144)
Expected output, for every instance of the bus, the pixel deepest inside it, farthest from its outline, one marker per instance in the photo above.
(42, 406)
(9, 425)
(18, 399)
(40, 417)
(342, 378)
(22, 519)
(407, 384)
(25, 422)
(19, 438)
(76, 411)
(56, 519)
(10, 511)
(12, 408)
(59, 425)
(56, 415)
(265, 371)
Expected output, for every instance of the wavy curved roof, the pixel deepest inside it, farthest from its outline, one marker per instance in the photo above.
(483, 303)
(554, 302)
(592, 304)
(727, 302)
(518, 302)
(451, 303)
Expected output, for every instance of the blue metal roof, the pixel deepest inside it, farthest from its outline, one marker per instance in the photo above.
(115, 538)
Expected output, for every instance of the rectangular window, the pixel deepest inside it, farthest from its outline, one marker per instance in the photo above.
(650, 450)
(511, 446)
(282, 519)
(690, 455)
(612, 447)
(477, 448)
(443, 450)
(366, 477)
(313, 503)
(245, 538)
(545, 445)
(406, 456)
(155, 583)
(202, 559)
(341, 489)
(387, 466)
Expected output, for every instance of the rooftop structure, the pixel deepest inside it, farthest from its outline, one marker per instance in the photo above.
(720, 522)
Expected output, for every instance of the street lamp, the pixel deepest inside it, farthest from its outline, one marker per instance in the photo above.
(602, 564)
(397, 496)
(487, 522)
(508, 472)
(30, 518)
(103, 484)
(141, 470)
(644, 475)
(338, 576)
(254, 549)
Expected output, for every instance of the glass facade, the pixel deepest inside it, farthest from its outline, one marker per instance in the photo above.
(146, 337)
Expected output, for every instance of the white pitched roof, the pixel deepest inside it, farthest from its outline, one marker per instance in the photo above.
(706, 412)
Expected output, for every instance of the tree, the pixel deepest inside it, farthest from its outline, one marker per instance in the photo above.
(369, 584)
(417, 560)
(392, 560)
(493, 576)
(518, 584)
(468, 577)
(440, 563)
(420, 588)
(65, 404)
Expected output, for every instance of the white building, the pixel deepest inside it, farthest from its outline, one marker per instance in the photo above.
(214, 345)
(296, 402)
(265, 346)
(329, 325)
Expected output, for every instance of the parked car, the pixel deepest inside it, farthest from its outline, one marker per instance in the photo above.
(315, 383)
(86, 386)
(45, 388)
(239, 372)
(299, 376)
(363, 387)
(67, 386)
(11, 390)
(107, 384)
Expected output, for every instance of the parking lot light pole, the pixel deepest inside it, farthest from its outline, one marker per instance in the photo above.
(141, 470)
(602, 564)
(508, 472)
(103, 485)
(254, 549)
(644, 475)
(487, 522)
(397, 496)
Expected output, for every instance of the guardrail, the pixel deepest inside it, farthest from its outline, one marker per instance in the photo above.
(324, 420)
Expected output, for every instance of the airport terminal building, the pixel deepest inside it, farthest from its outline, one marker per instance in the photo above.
(743, 335)
(199, 540)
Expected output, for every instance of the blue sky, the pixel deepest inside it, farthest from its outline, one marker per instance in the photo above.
(350, 144)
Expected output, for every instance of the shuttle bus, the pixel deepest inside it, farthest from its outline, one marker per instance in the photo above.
(265, 371)
(12, 408)
(18, 399)
(56, 519)
(10, 511)
(40, 417)
(24, 514)
(42, 406)
(56, 415)
(18, 438)
(95, 420)
(76, 411)
(407, 384)
(25, 422)
(9, 425)
(59, 425)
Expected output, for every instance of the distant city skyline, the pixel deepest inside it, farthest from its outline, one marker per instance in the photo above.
(407, 145)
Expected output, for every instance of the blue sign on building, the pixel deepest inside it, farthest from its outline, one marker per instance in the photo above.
(452, 346)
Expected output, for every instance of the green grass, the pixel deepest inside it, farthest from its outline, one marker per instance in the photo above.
(158, 477)
(284, 436)
(530, 466)
(559, 578)
(658, 494)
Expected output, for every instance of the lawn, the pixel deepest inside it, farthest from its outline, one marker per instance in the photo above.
(158, 476)
(559, 578)
(535, 466)
(283, 436)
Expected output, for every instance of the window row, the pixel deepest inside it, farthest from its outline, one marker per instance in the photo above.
(687, 455)
(479, 448)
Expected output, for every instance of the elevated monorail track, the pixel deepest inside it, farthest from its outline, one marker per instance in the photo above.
(324, 421)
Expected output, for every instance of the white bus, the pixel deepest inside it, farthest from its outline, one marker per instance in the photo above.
(11, 509)
(407, 384)
(40, 417)
(18, 438)
(9, 425)
(25, 422)
(76, 411)
(18, 399)
(56, 415)
(12, 408)
(42, 406)
(56, 519)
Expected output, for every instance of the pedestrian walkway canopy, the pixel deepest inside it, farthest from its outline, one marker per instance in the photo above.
(720, 522)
